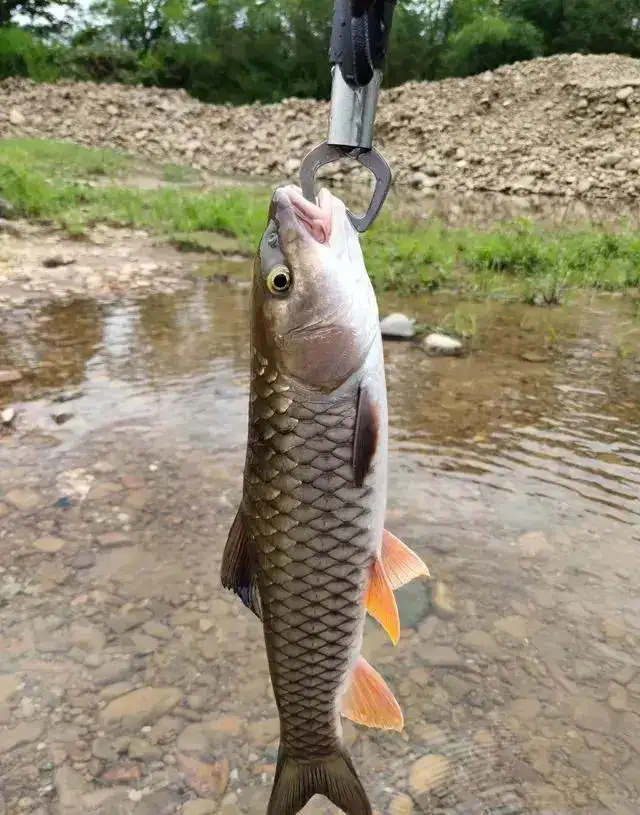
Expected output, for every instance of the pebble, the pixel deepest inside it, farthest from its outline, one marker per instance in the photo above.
(263, 731)
(625, 675)
(525, 709)
(619, 699)
(23, 499)
(7, 416)
(514, 626)
(534, 545)
(108, 539)
(8, 686)
(140, 707)
(158, 630)
(104, 749)
(49, 544)
(161, 802)
(62, 417)
(401, 805)
(397, 326)
(413, 603)
(122, 773)
(591, 715)
(200, 806)
(9, 376)
(441, 345)
(24, 733)
(205, 779)
(143, 751)
(428, 773)
(480, 641)
(442, 601)
(534, 356)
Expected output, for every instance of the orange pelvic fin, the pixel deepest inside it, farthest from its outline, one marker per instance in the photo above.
(369, 701)
(381, 604)
(400, 563)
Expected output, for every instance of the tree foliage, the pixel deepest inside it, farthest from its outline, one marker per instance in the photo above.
(246, 50)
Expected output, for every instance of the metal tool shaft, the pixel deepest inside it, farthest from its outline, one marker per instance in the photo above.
(353, 111)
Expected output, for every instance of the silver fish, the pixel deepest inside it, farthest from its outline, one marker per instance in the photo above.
(307, 551)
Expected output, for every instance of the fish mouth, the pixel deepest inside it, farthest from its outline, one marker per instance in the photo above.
(291, 209)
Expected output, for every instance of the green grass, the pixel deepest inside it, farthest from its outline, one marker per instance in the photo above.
(515, 260)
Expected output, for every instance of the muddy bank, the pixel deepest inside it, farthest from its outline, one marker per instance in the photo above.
(566, 125)
(39, 265)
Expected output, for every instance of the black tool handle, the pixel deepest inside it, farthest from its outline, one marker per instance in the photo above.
(359, 38)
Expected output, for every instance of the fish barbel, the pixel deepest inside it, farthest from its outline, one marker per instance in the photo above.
(307, 551)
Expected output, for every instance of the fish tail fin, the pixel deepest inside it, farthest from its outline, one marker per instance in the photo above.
(334, 777)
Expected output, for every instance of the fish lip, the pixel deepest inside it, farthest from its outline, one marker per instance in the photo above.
(291, 209)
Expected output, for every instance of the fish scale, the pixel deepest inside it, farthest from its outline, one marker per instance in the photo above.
(310, 528)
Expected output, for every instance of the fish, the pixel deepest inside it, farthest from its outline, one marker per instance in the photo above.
(307, 551)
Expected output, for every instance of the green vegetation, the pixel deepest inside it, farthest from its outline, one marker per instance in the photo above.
(512, 260)
(238, 51)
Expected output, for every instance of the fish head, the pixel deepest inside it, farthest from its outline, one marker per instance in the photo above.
(315, 315)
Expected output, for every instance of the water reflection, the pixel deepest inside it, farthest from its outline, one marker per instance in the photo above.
(565, 423)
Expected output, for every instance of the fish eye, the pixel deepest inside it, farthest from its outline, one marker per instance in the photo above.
(279, 280)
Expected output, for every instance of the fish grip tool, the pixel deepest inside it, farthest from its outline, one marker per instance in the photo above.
(359, 40)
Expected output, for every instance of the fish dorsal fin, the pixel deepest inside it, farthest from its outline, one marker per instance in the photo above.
(369, 700)
(365, 440)
(401, 564)
(381, 603)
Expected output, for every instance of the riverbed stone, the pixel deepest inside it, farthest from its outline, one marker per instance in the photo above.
(9, 376)
(591, 715)
(440, 345)
(535, 545)
(9, 685)
(24, 733)
(401, 805)
(429, 773)
(140, 707)
(49, 544)
(161, 802)
(514, 626)
(199, 806)
(397, 326)
(23, 499)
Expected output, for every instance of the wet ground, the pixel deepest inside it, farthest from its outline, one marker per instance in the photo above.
(130, 682)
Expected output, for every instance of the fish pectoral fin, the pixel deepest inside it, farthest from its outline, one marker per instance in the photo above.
(381, 603)
(369, 700)
(401, 564)
(365, 439)
(236, 572)
(333, 776)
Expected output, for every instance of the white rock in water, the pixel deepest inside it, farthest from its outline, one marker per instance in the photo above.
(397, 326)
(7, 416)
(441, 345)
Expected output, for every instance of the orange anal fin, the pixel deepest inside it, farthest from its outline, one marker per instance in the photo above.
(381, 604)
(401, 564)
(369, 701)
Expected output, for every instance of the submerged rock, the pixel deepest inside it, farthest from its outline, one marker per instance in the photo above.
(397, 326)
(9, 376)
(441, 345)
(7, 416)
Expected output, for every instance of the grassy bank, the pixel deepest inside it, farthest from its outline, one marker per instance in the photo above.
(76, 187)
